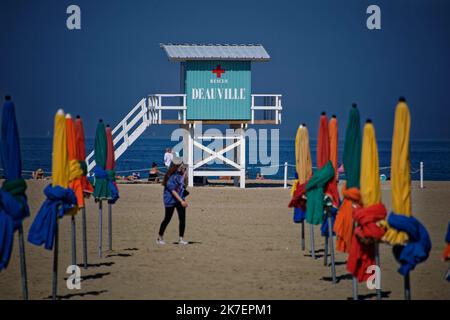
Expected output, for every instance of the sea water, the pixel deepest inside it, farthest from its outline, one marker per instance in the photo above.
(36, 153)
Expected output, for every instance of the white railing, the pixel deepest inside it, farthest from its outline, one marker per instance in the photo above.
(127, 131)
(155, 104)
(275, 107)
(150, 111)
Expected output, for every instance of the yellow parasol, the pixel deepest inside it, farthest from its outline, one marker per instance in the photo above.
(60, 159)
(370, 172)
(303, 163)
(400, 171)
(368, 231)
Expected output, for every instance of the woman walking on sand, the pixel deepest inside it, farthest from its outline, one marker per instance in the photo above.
(174, 198)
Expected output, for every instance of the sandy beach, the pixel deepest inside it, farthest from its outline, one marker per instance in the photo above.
(244, 246)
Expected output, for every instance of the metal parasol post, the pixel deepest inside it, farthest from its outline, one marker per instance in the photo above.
(311, 237)
(377, 262)
(331, 246)
(74, 241)
(55, 260)
(85, 258)
(100, 228)
(355, 288)
(325, 252)
(354, 280)
(23, 265)
(303, 235)
(110, 226)
(407, 286)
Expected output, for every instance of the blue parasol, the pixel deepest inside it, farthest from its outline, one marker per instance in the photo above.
(13, 201)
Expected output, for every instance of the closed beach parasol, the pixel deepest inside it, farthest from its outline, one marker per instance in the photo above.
(409, 237)
(303, 162)
(331, 188)
(343, 226)
(304, 171)
(101, 188)
(317, 183)
(400, 171)
(13, 201)
(352, 162)
(315, 205)
(110, 165)
(75, 174)
(81, 156)
(59, 198)
(367, 234)
(75, 170)
(333, 132)
(85, 184)
(323, 142)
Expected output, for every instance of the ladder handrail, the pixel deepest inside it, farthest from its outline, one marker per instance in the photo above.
(156, 106)
(125, 132)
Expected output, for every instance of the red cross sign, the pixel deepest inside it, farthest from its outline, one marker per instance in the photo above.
(218, 71)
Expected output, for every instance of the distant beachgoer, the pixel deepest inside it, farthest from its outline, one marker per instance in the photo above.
(38, 174)
(174, 197)
(168, 156)
(154, 173)
(134, 176)
(259, 176)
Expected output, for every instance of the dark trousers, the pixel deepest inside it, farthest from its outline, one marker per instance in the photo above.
(168, 216)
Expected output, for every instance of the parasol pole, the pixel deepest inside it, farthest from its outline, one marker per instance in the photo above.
(100, 229)
(325, 252)
(354, 280)
(407, 287)
(110, 226)
(23, 265)
(355, 288)
(377, 262)
(331, 245)
(303, 235)
(55, 261)
(74, 241)
(85, 258)
(311, 237)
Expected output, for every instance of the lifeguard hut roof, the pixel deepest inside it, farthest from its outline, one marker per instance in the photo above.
(236, 52)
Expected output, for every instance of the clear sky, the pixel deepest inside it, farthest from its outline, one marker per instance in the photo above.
(323, 58)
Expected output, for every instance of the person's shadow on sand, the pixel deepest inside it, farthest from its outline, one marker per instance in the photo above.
(189, 242)
(81, 294)
(384, 294)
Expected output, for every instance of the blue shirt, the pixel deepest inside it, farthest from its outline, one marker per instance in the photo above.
(174, 183)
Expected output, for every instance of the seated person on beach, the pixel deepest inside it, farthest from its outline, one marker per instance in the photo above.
(38, 174)
(134, 176)
(154, 173)
(259, 176)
